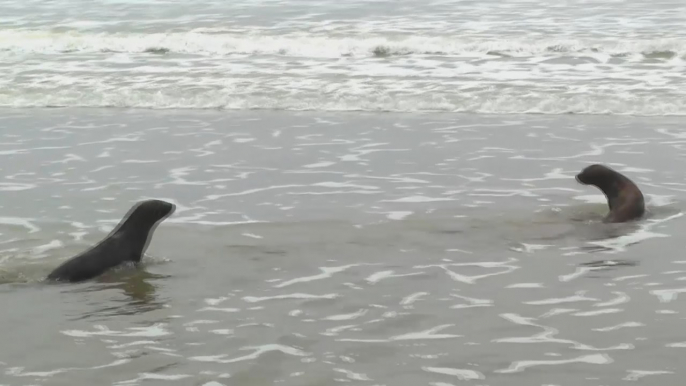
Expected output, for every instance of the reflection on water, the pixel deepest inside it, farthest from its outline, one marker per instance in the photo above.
(377, 251)
(138, 286)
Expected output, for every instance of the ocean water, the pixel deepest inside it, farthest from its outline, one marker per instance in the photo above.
(368, 192)
(493, 56)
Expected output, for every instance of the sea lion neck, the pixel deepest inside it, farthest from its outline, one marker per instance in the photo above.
(136, 235)
(611, 188)
(136, 229)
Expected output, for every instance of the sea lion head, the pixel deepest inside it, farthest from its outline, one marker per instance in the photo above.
(597, 175)
(156, 209)
(148, 213)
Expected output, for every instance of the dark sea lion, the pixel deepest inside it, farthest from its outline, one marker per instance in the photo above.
(127, 242)
(623, 196)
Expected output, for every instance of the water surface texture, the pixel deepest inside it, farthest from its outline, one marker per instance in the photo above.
(369, 193)
(317, 249)
(493, 56)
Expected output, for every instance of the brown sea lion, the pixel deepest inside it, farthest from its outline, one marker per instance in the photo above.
(623, 196)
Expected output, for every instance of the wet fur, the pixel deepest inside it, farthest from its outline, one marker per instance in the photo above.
(624, 198)
(126, 243)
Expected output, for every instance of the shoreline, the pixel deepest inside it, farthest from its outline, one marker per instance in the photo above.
(441, 115)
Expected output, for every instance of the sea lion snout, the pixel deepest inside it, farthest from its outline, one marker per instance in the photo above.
(157, 208)
(168, 209)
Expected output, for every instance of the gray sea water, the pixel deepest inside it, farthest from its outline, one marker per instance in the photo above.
(492, 56)
(418, 224)
(325, 248)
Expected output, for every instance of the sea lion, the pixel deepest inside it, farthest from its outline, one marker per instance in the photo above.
(127, 242)
(623, 196)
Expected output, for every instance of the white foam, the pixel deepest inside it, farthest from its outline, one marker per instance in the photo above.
(156, 96)
(223, 331)
(656, 200)
(529, 248)
(204, 41)
(154, 377)
(618, 326)
(322, 164)
(578, 297)
(378, 276)
(519, 366)
(418, 199)
(41, 249)
(327, 272)
(629, 277)
(599, 312)
(526, 285)
(635, 375)
(154, 330)
(221, 309)
(350, 316)
(255, 299)
(461, 374)
(135, 343)
(619, 244)
(421, 335)
(548, 334)
(258, 351)
(471, 302)
(248, 192)
(216, 301)
(353, 375)
(620, 299)
(667, 295)
(412, 298)
(472, 279)
(15, 187)
(19, 371)
(26, 223)
(398, 215)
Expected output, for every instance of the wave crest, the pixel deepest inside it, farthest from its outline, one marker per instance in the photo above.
(200, 42)
(504, 103)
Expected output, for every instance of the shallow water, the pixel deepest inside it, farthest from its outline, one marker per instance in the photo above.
(315, 249)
